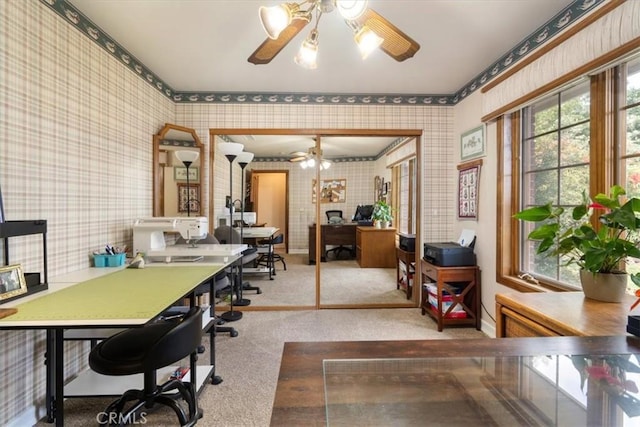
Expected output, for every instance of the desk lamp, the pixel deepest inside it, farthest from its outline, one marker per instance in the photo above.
(231, 150)
(244, 159)
(187, 158)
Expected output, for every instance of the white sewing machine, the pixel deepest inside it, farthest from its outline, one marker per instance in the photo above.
(149, 239)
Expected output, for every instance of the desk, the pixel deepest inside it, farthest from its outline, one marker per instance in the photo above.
(121, 299)
(300, 393)
(331, 234)
(559, 313)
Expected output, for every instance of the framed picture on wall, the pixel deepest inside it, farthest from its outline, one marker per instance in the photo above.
(180, 174)
(188, 194)
(468, 185)
(472, 144)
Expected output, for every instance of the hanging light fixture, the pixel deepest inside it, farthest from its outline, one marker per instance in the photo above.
(314, 158)
(276, 19)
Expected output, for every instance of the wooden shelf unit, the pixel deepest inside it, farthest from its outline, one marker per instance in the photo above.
(405, 280)
(450, 279)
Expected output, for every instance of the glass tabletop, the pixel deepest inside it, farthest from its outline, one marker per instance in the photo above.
(554, 390)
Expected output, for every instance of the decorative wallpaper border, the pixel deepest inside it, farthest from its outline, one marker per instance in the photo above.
(558, 23)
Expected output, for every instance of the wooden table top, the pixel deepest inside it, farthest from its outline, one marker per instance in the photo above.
(571, 313)
(299, 399)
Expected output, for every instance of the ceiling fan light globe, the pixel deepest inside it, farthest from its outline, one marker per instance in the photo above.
(351, 9)
(307, 55)
(311, 163)
(325, 164)
(274, 19)
(367, 41)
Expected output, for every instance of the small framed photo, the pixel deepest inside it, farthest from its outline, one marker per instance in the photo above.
(12, 281)
(180, 174)
(472, 144)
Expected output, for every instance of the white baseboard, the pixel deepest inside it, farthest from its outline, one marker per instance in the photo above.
(29, 417)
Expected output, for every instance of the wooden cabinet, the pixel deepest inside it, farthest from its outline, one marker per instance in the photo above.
(405, 270)
(375, 247)
(462, 284)
(559, 314)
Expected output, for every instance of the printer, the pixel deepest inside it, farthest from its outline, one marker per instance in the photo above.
(452, 254)
(407, 242)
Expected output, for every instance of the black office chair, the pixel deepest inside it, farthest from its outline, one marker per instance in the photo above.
(335, 217)
(249, 256)
(145, 350)
(221, 286)
(270, 258)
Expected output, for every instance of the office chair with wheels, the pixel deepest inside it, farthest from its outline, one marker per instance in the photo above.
(335, 217)
(145, 350)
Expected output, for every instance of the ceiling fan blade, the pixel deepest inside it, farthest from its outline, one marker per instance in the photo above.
(298, 159)
(270, 48)
(396, 44)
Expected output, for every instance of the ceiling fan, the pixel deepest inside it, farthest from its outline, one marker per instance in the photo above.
(310, 159)
(371, 30)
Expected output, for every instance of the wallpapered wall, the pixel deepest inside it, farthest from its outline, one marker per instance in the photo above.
(76, 131)
(75, 149)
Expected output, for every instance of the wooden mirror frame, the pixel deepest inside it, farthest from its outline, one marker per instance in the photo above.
(158, 172)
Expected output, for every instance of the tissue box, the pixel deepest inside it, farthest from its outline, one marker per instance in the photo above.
(106, 260)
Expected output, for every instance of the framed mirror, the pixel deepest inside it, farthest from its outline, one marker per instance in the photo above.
(178, 160)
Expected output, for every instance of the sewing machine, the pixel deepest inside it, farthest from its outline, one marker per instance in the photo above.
(149, 239)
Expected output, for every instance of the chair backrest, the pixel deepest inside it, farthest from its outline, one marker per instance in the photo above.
(333, 214)
(222, 234)
(208, 240)
(179, 341)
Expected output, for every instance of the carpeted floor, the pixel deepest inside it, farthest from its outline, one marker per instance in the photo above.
(249, 363)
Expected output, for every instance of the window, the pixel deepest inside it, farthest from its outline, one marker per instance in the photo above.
(584, 136)
(555, 167)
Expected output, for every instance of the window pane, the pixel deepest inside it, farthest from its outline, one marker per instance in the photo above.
(632, 177)
(573, 182)
(574, 107)
(540, 188)
(574, 145)
(544, 152)
(633, 82)
(544, 116)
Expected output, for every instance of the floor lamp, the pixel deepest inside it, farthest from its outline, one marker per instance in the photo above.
(244, 159)
(187, 158)
(231, 150)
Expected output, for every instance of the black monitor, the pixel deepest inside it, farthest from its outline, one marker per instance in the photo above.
(363, 213)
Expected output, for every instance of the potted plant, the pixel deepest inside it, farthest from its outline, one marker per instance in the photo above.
(598, 252)
(381, 214)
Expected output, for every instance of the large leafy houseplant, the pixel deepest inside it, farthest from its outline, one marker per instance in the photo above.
(575, 240)
(382, 212)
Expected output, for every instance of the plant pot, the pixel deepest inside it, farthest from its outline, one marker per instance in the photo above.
(605, 287)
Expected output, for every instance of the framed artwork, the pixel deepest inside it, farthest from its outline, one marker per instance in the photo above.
(12, 281)
(180, 174)
(472, 144)
(192, 197)
(331, 191)
(468, 180)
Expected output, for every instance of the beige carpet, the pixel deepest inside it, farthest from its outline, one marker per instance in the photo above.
(341, 282)
(249, 363)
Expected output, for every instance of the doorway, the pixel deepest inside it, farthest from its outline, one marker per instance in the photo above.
(269, 198)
